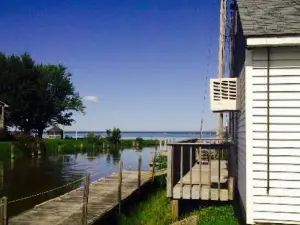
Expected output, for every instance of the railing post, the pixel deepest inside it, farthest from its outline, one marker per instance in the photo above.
(120, 185)
(220, 150)
(139, 171)
(200, 171)
(191, 172)
(86, 187)
(231, 171)
(209, 172)
(170, 172)
(181, 171)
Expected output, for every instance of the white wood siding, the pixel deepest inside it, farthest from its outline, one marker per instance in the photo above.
(241, 141)
(244, 138)
(282, 205)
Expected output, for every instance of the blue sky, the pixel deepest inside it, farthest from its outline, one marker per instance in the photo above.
(144, 61)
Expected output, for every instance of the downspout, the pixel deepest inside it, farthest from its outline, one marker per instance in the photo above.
(268, 120)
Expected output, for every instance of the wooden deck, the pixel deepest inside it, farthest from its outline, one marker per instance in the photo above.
(210, 182)
(66, 209)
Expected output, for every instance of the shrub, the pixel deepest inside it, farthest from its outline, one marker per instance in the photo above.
(94, 139)
(29, 144)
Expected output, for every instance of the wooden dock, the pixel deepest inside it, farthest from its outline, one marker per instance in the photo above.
(67, 209)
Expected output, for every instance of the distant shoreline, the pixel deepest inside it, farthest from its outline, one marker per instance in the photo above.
(172, 132)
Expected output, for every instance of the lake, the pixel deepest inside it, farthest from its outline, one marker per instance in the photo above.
(24, 177)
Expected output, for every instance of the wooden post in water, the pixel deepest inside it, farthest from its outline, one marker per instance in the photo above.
(59, 148)
(4, 202)
(12, 151)
(139, 171)
(120, 185)
(3, 211)
(153, 166)
(86, 187)
(160, 145)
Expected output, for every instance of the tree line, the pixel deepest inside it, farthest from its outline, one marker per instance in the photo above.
(38, 95)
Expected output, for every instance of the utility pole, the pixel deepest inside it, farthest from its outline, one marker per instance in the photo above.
(232, 130)
(221, 68)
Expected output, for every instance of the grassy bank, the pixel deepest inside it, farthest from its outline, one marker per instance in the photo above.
(157, 210)
(68, 146)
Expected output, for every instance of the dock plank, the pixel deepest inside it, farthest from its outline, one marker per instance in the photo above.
(66, 209)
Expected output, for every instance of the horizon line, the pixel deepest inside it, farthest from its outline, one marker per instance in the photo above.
(164, 131)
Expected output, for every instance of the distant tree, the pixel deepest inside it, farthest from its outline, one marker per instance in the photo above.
(114, 136)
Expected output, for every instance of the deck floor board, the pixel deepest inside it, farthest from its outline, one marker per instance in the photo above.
(209, 187)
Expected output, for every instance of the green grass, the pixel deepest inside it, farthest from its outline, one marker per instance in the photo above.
(70, 146)
(157, 210)
(217, 215)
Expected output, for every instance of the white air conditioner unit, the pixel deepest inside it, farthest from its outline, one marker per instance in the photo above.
(224, 94)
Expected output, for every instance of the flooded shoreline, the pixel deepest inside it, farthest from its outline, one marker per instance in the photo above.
(23, 177)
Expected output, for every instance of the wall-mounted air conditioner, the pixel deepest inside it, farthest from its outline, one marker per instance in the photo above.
(224, 94)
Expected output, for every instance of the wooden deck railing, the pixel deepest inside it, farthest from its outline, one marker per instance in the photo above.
(201, 169)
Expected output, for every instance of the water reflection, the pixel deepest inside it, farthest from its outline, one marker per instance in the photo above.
(1, 176)
(23, 177)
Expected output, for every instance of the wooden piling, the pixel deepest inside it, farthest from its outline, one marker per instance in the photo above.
(86, 187)
(175, 210)
(3, 211)
(12, 151)
(153, 167)
(59, 148)
(4, 201)
(120, 185)
(38, 147)
(139, 171)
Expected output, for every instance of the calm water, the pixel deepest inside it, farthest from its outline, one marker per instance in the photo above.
(23, 177)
